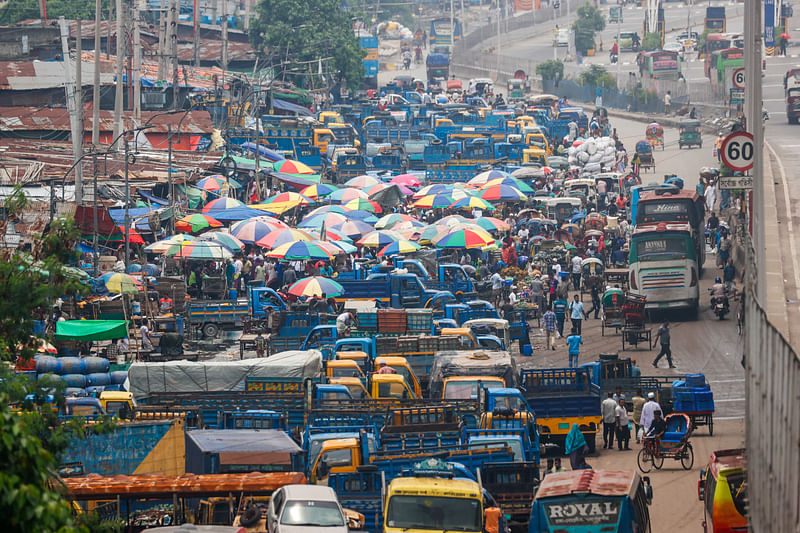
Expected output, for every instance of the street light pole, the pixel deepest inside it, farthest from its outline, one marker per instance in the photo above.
(169, 180)
(127, 205)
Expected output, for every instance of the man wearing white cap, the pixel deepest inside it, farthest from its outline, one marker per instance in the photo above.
(650, 407)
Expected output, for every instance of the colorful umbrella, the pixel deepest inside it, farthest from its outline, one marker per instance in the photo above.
(362, 204)
(451, 220)
(465, 238)
(514, 182)
(328, 219)
(345, 195)
(433, 233)
(435, 188)
(486, 176)
(224, 238)
(353, 228)
(196, 222)
(282, 202)
(220, 204)
(345, 247)
(289, 166)
(325, 209)
(133, 235)
(301, 250)
(378, 239)
(399, 247)
(503, 193)
(472, 202)
(492, 224)
(250, 231)
(378, 187)
(318, 191)
(407, 180)
(316, 286)
(217, 183)
(120, 283)
(200, 250)
(433, 201)
(159, 247)
(392, 219)
(362, 216)
(282, 236)
(331, 234)
(362, 182)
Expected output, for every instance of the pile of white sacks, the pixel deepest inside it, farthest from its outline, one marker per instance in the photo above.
(593, 154)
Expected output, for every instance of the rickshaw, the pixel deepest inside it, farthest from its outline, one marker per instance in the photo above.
(644, 153)
(595, 221)
(655, 135)
(613, 317)
(596, 234)
(615, 14)
(690, 135)
(591, 274)
(674, 444)
(634, 331)
(574, 229)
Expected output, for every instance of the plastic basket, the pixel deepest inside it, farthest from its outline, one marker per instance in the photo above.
(368, 321)
(407, 344)
(392, 321)
(696, 380)
(419, 320)
(428, 344)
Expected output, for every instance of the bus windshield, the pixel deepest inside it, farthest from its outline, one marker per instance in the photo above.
(665, 211)
(434, 512)
(662, 248)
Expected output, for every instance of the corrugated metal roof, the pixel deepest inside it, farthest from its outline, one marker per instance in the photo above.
(243, 440)
(599, 482)
(213, 50)
(96, 487)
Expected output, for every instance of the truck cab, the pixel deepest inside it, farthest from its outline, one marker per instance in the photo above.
(390, 387)
(119, 403)
(341, 368)
(538, 140)
(401, 366)
(355, 385)
(469, 387)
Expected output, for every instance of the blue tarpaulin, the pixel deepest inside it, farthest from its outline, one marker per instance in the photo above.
(118, 216)
(155, 199)
(277, 103)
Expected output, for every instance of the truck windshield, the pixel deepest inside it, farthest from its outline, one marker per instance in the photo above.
(466, 390)
(312, 513)
(434, 512)
(514, 443)
(662, 248)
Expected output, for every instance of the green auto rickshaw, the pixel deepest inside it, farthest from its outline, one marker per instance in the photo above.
(690, 134)
(615, 14)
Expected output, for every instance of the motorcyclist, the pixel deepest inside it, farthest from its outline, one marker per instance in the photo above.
(614, 54)
(499, 101)
(717, 291)
(418, 55)
(406, 59)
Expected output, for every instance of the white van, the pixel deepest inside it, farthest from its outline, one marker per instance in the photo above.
(305, 508)
(562, 38)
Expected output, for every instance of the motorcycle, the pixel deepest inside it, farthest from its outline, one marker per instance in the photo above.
(614, 58)
(406, 63)
(720, 306)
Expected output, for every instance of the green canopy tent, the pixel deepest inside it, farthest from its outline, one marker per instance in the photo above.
(91, 330)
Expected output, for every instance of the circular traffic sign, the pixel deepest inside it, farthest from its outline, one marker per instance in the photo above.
(738, 151)
(738, 78)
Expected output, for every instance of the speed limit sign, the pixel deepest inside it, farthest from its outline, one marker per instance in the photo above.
(738, 150)
(738, 78)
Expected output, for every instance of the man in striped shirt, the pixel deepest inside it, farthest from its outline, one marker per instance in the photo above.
(549, 319)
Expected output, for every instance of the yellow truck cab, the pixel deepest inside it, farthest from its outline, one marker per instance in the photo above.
(442, 122)
(390, 387)
(401, 366)
(345, 132)
(338, 152)
(468, 340)
(327, 117)
(466, 387)
(336, 455)
(538, 140)
(360, 358)
(354, 385)
(323, 136)
(115, 401)
(534, 155)
(524, 121)
(430, 504)
(343, 368)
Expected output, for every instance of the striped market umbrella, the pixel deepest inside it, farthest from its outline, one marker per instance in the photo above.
(503, 193)
(289, 166)
(159, 247)
(464, 238)
(362, 216)
(451, 220)
(196, 222)
(221, 204)
(345, 195)
(362, 204)
(492, 224)
(435, 188)
(278, 237)
(330, 208)
(224, 238)
(402, 246)
(481, 179)
(217, 183)
(433, 233)
(120, 283)
(345, 247)
(362, 182)
(433, 201)
(301, 250)
(327, 219)
(392, 219)
(378, 187)
(200, 250)
(320, 190)
(250, 231)
(282, 202)
(378, 239)
(407, 180)
(353, 228)
(332, 235)
(472, 202)
(316, 286)
(514, 182)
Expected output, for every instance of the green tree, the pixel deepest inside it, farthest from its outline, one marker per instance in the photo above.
(552, 69)
(293, 35)
(590, 20)
(598, 76)
(17, 10)
(651, 41)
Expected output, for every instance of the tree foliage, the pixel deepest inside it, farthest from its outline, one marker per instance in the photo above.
(293, 35)
(590, 20)
(17, 10)
(651, 41)
(552, 69)
(598, 76)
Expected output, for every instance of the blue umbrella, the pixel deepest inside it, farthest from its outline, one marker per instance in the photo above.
(362, 216)
(233, 214)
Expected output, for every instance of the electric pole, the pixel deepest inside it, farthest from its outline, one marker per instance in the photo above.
(69, 87)
(79, 87)
(173, 50)
(195, 28)
(118, 95)
(137, 64)
(96, 88)
(224, 36)
(162, 39)
(246, 15)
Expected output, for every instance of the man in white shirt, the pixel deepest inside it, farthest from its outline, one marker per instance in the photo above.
(497, 285)
(609, 412)
(650, 407)
(623, 433)
(576, 272)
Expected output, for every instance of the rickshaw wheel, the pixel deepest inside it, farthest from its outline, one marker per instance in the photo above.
(645, 460)
(658, 461)
(711, 427)
(687, 457)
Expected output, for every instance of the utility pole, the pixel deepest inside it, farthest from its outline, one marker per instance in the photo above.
(225, 36)
(69, 87)
(169, 179)
(452, 31)
(173, 50)
(96, 89)
(619, 63)
(162, 40)
(195, 36)
(247, 15)
(127, 205)
(94, 214)
(752, 97)
(497, 50)
(137, 64)
(79, 89)
(118, 95)
(108, 29)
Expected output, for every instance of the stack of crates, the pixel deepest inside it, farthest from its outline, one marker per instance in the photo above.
(692, 394)
(407, 344)
(419, 319)
(385, 345)
(428, 344)
(392, 321)
(368, 320)
(449, 342)
(685, 402)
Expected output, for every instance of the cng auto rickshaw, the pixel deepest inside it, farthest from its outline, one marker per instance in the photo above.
(516, 89)
(643, 157)
(655, 135)
(615, 14)
(689, 134)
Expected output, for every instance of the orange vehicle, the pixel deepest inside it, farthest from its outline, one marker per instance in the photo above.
(723, 490)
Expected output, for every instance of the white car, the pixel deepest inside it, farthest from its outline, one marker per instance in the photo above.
(674, 47)
(305, 509)
(562, 38)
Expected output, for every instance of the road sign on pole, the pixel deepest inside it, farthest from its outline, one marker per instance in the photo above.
(737, 78)
(736, 182)
(738, 150)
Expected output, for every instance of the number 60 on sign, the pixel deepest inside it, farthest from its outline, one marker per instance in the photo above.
(738, 150)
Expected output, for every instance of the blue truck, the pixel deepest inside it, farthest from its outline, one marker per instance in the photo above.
(370, 45)
(437, 67)
(399, 291)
